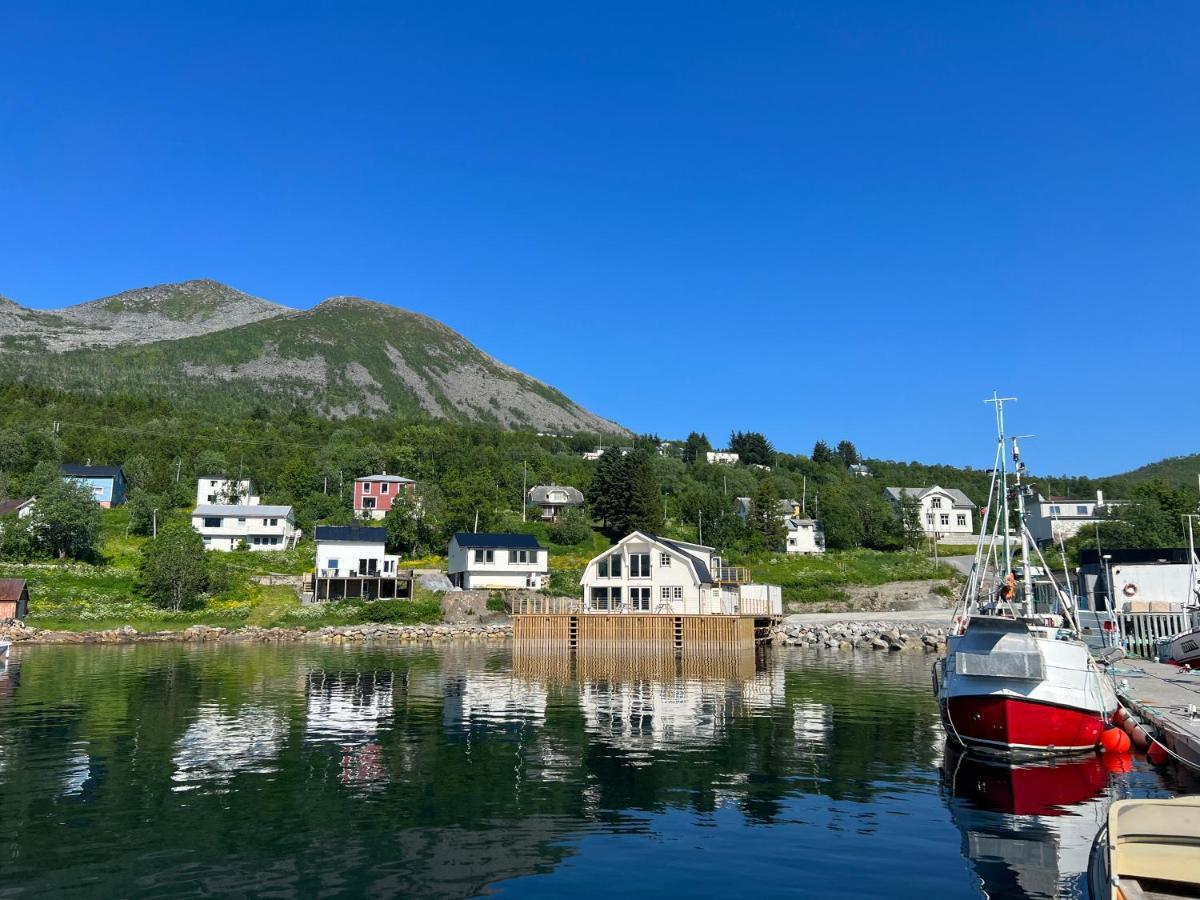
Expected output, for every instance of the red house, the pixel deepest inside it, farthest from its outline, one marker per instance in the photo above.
(373, 494)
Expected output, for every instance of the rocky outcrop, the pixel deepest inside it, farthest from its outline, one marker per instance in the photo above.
(862, 636)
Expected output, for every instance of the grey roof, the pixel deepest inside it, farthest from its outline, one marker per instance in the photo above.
(497, 541)
(393, 479)
(960, 499)
(237, 509)
(699, 565)
(795, 522)
(540, 493)
(359, 534)
(8, 507)
(79, 471)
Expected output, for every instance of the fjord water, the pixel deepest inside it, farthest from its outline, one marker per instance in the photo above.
(465, 769)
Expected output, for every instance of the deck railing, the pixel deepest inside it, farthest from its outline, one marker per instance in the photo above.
(1142, 632)
(730, 575)
(546, 606)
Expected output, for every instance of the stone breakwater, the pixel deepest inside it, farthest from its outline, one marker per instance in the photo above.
(331, 634)
(862, 636)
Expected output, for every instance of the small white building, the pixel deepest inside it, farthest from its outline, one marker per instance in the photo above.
(721, 457)
(1051, 518)
(214, 490)
(593, 455)
(551, 499)
(944, 511)
(804, 535)
(486, 561)
(227, 526)
(645, 573)
(352, 562)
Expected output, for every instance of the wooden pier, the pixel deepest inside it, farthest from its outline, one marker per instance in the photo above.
(1161, 695)
(653, 631)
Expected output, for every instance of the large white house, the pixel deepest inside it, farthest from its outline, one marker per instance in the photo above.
(489, 560)
(721, 457)
(227, 526)
(944, 511)
(1050, 518)
(804, 535)
(352, 561)
(551, 499)
(217, 489)
(645, 573)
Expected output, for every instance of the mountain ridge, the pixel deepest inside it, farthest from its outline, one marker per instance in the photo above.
(205, 343)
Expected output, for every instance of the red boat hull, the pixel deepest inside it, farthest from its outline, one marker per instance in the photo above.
(1017, 725)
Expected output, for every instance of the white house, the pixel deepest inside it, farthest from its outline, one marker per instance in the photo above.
(352, 561)
(804, 535)
(721, 457)
(944, 511)
(217, 489)
(489, 560)
(552, 499)
(1050, 518)
(594, 455)
(22, 509)
(647, 573)
(226, 526)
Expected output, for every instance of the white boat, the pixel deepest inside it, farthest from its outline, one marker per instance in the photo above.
(1148, 848)
(1184, 648)
(1016, 677)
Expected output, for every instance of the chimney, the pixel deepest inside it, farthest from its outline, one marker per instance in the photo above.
(1099, 498)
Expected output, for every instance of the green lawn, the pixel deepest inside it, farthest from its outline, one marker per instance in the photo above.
(810, 579)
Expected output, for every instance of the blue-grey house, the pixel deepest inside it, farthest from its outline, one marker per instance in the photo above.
(107, 483)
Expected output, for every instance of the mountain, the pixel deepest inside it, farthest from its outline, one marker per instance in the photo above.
(204, 343)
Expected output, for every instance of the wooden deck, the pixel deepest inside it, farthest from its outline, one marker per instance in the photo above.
(1160, 695)
(689, 634)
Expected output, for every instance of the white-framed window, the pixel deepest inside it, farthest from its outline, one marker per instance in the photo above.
(678, 593)
(614, 598)
(1056, 510)
(639, 565)
(368, 502)
(962, 519)
(522, 556)
(484, 556)
(366, 487)
(945, 518)
(936, 503)
(1081, 510)
(609, 566)
(212, 522)
(928, 518)
(665, 593)
(791, 542)
(599, 598)
(274, 541)
(664, 559)
(333, 564)
(241, 520)
(383, 488)
(639, 599)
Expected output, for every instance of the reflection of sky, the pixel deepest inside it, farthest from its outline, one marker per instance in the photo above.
(218, 744)
(347, 708)
(78, 771)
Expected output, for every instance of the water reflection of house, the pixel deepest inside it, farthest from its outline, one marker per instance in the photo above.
(220, 744)
(492, 700)
(349, 709)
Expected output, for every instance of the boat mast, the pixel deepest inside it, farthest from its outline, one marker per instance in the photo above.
(1026, 567)
(1004, 517)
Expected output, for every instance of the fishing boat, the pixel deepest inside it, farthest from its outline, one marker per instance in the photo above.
(1184, 649)
(1017, 678)
(1148, 848)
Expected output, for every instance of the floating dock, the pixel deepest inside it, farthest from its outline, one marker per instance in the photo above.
(1161, 696)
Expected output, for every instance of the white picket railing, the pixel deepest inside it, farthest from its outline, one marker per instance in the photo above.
(1142, 632)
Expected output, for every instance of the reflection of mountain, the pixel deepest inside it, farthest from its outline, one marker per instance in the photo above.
(1027, 830)
(218, 744)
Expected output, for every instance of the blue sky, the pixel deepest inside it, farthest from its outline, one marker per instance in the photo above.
(817, 220)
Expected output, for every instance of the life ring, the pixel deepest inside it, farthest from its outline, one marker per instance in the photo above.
(1129, 590)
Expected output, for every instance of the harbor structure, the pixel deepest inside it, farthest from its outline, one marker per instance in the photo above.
(497, 560)
(352, 562)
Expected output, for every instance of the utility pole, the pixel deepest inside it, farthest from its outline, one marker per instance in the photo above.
(700, 526)
(178, 466)
(154, 522)
(804, 498)
(476, 530)
(524, 487)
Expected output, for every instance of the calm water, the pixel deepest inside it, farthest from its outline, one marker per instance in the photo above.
(309, 771)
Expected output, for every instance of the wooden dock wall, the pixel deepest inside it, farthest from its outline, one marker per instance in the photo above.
(687, 634)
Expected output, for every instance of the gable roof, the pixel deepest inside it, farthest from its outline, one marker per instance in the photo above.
(11, 589)
(492, 540)
(358, 534)
(237, 509)
(960, 500)
(540, 493)
(79, 471)
(8, 507)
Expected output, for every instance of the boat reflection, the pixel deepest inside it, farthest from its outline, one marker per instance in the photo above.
(1027, 830)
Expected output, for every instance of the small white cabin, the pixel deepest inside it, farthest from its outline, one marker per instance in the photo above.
(487, 561)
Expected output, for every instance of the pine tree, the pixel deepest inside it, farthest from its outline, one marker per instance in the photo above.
(821, 453)
(644, 510)
(763, 519)
(847, 452)
(607, 494)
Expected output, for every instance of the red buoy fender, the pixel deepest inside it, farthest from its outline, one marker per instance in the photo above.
(1114, 740)
(1157, 753)
(1120, 716)
(1140, 737)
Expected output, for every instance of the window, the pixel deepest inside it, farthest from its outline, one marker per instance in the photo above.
(602, 568)
(241, 520)
(929, 518)
(614, 598)
(212, 522)
(945, 519)
(599, 598)
(332, 564)
(484, 556)
(366, 487)
(1056, 510)
(639, 599)
(212, 498)
(212, 484)
(615, 565)
(522, 556)
(792, 541)
(1081, 510)
(678, 593)
(936, 503)
(274, 541)
(962, 520)
(383, 488)
(664, 559)
(273, 522)
(368, 502)
(665, 593)
(639, 565)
